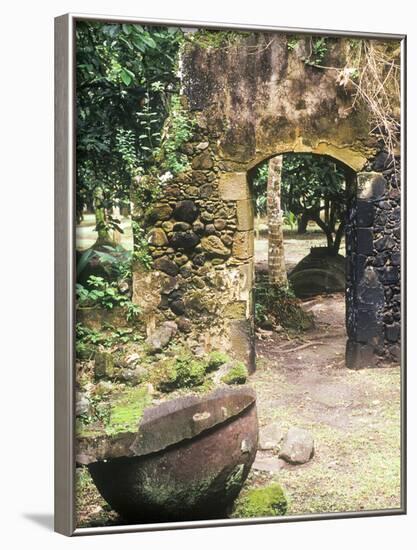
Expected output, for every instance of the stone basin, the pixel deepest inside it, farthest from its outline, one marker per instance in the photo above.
(187, 461)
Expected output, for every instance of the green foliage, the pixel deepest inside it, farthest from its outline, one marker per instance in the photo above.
(101, 293)
(292, 42)
(141, 252)
(278, 305)
(318, 51)
(259, 184)
(266, 501)
(308, 179)
(216, 39)
(125, 76)
(238, 374)
(290, 219)
(177, 133)
(115, 261)
(310, 184)
(88, 340)
(216, 359)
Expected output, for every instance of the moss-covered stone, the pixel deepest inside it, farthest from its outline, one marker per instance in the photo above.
(182, 371)
(116, 413)
(238, 374)
(266, 501)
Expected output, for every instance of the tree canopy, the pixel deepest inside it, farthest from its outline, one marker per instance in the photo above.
(126, 75)
(311, 185)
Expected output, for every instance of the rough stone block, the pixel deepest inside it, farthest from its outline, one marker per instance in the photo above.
(365, 213)
(236, 310)
(365, 241)
(246, 280)
(242, 346)
(359, 356)
(245, 214)
(371, 186)
(234, 186)
(243, 245)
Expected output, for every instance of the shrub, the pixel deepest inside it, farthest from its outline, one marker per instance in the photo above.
(216, 359)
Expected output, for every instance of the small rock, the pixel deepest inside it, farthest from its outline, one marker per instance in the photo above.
(166, 265)
(132, 358)
(123, 287)
(297, 447)
(103, 365)
(270, 437)
(82, 404)
(162, 335)
(133, 377)
(270, 464)
(213, 245)
(202, 146)
(202, 161)
(157, 237)
(184, 239)
(186, 211)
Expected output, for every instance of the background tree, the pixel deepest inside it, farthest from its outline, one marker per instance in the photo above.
(277, 271)
(313, 187)
(126, 75)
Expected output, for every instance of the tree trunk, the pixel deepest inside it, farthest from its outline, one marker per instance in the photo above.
(101, 218)
(276, 262)
(302, 223)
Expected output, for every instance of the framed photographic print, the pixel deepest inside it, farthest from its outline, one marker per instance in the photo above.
(229, 274)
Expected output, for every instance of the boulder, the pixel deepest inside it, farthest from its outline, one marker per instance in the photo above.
(270, 437)
(297, 447)
(103, 365)
(161, 336)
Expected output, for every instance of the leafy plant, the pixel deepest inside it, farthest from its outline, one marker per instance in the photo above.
(177, 132)
(141, 252)
(104, 294)
(126, 74)
(290, 219)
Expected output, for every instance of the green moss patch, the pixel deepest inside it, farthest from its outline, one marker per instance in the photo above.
(261, 502)
(182, 371)
(216, 359)
(116, 413)
(238, 374)
(127, 410)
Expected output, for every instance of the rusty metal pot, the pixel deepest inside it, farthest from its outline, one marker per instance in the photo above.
(188, 461)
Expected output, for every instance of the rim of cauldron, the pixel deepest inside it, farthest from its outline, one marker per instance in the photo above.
(186, 417)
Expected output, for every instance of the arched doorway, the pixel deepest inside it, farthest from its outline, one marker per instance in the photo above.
(265, 102)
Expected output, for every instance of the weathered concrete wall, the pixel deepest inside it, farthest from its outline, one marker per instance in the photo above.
(251, 101)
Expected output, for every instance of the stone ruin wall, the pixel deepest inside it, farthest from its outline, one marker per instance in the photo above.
(251, 101)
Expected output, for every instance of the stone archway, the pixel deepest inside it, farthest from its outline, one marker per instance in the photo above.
(251, 101)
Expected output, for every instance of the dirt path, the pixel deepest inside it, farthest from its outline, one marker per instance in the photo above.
(354, 417)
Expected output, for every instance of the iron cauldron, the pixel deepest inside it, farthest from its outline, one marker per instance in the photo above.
(188, 461)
